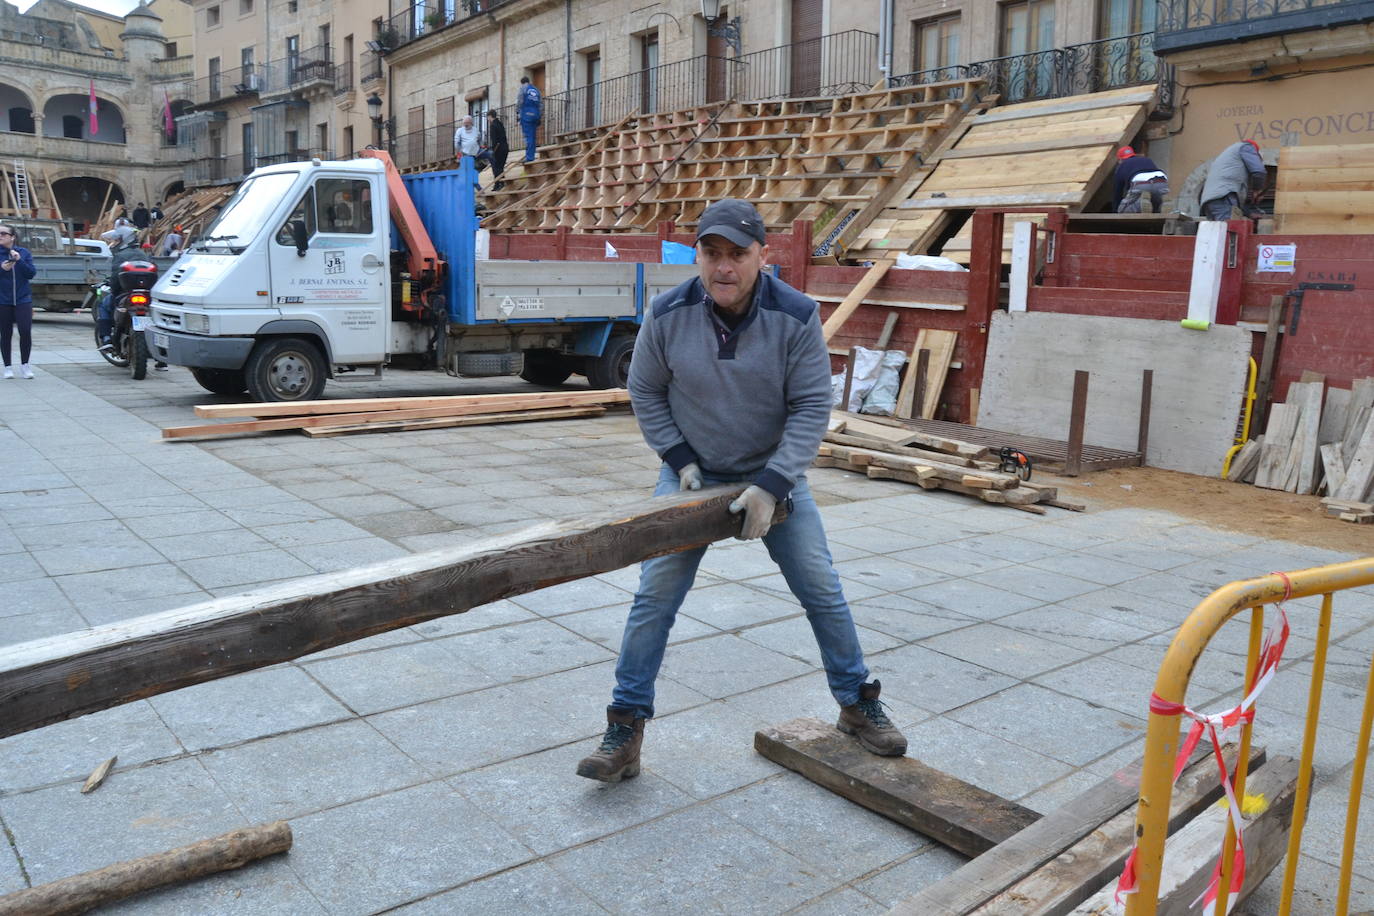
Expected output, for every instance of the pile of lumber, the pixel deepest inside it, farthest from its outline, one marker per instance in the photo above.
(886, 449)
(192, 212)
(376, 415)
(1325, 189)
(1317, 441)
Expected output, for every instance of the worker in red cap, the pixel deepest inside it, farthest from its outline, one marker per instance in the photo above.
(1136, 176)
(1231, 178)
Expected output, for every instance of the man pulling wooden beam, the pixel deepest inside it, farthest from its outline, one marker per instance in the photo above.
(62, 677)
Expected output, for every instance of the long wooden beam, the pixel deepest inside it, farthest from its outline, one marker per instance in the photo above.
(62, 677)
(520, 400)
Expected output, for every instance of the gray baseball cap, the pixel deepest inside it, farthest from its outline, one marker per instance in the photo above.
(732, 219)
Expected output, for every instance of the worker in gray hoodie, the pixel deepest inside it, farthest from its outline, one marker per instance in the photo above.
(1231, 177)
(730, 383)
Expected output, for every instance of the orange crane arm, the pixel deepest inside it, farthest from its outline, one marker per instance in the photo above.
(425, 265)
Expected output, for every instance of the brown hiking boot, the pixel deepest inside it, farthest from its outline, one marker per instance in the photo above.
(867, 722)
(618, 756)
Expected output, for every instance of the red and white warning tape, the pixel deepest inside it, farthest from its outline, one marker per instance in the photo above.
(1243, 713)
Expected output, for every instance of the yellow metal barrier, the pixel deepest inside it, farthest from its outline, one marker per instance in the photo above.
(1162, 736)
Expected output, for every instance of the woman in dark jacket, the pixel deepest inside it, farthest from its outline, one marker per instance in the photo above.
(16, 300)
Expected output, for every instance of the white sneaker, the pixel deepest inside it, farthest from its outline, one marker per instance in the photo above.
(9, 373)
(26, 371)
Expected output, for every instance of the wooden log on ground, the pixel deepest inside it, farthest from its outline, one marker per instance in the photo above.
(960, 815)
(1246, 460)
(910, 451)
(967, 888)
(83, 892)
(1077, 873)
(456, 409)
(862, 457)
(856, 425)
(61, 677)
(1190, 854)
(490, 403)
(485, 419)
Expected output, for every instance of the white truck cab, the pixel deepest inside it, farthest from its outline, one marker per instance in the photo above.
(289, 282)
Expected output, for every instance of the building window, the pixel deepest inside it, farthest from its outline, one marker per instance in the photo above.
(1125, 17)
(346, 142)
(213, 65)
(293, 55)
(324, 42)
(292, 6)
(71, 126)
(249, 155)
(322, 140)
(443, 114)
(1027, 26)
(245, 7)
(591, 82)
(211, 16)
(293, 144)
(935, 43)
(170, 49)
(648, 65)
(21, 120)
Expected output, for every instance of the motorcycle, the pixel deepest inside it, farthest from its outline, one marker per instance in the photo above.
(129, 316)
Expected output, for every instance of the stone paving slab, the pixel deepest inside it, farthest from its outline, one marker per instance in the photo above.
(430, 768)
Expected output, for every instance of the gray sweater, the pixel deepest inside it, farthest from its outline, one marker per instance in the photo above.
(752, 402)
(1231, 171)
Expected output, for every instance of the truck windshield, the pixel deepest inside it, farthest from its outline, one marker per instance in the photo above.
(247, 212)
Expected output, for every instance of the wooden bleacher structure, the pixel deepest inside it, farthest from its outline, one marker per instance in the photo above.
(878, 173)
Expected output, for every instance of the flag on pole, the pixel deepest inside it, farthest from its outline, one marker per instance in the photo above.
(168, 126)
(95, 123)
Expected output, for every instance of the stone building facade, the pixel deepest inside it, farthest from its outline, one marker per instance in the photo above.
(138, 66)
(276, 81)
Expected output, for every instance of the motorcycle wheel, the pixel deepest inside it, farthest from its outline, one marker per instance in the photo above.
(138, 355)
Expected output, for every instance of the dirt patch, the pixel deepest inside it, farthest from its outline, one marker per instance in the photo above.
(1235, 506)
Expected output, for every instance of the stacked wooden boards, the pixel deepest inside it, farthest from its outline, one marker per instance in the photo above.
(820, 159)
(889, 450)
(1318, 440)
(1051, 153)
(193, 212)
(366, 415)
(1325, 189)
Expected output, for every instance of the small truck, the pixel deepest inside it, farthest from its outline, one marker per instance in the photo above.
(322, 270)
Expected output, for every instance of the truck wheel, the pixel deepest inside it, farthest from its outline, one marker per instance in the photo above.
(221, 381)
(285, 369)
(612, 368)
(545, 367)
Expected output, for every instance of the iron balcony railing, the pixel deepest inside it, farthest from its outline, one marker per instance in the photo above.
(226, 84)
(834, 64)
(1187, 24)
(295, 71)
(370, 67)
(211, 169)
(343, 77)
(1095, 66)
(428, 16)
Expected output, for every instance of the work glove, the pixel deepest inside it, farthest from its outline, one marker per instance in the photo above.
(689, 478)
(757, 505)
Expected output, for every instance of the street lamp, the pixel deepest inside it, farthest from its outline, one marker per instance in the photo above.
(729, 30)
(381, 125)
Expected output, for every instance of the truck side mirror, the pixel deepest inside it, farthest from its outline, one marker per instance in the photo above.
(298, 236)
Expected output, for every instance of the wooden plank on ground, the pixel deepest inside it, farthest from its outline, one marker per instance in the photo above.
(855, 298)
(61, 677)
(1076, 874)
(960, 815)
(1357, 416)
(1333, 463)
(353, 419)
(1278, 440)
(941, 344)
(485, 419)
(1246, 460)
(1305, 440)
(1359, 472)
(491, 403)
(1190, 854)
(1016, 857)
(1334, 414)
(916, 437)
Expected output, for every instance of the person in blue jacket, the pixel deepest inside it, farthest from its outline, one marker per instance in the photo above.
(530, 106)
(16, 300)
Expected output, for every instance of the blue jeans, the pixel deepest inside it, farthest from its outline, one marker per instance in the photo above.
(530, 129)
(799, 548)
